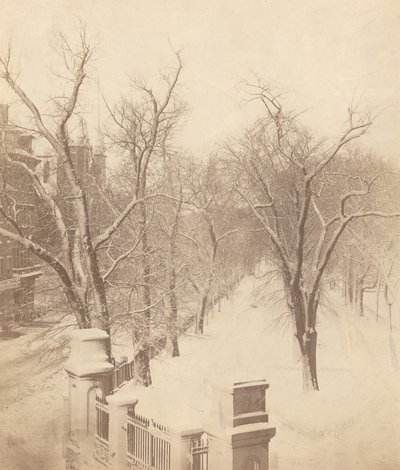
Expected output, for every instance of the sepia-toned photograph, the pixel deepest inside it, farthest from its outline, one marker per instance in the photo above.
(199, 235)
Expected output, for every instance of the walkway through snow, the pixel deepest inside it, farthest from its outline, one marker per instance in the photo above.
(31, 388)
(353, 423)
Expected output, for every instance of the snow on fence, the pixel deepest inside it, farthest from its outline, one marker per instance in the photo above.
(122, 373)
(148, 444)
(102, 431)
(199, 450)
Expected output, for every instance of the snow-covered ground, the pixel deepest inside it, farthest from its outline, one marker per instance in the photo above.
(352, 423)
(31, 388)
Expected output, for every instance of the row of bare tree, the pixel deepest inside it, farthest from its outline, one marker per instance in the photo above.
(131, 254)
(311, 199)
(168, 236)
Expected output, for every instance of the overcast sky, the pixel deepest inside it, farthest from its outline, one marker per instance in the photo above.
(323, 52)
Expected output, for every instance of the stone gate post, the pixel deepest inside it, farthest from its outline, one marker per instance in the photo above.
(119, 404)
(251, 431)
(87, 363)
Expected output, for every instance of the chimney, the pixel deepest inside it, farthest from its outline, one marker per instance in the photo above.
(3, 115)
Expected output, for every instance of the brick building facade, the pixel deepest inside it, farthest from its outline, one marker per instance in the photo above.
(19, 268)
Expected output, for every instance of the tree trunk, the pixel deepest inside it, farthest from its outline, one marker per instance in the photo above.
(361, 301)
(344, 281)
(377, 301)
(173, 300)
(308, 348)
(356, 292)
(304, 316)
(141, 369)
(389, 304)
(173, 316)
(85, 237)
(343, 291)
(349, 280)
(142, 335)
(202, 313)
(99, 293)
(204, 300)
(100, 298)
(386, 293)
(351, 284)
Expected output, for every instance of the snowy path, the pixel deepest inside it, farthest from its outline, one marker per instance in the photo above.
(353, 423)
(30, 407)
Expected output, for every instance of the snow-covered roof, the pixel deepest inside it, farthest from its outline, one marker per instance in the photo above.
(88, 334)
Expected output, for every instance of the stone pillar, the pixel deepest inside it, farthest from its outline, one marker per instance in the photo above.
(119, 404)
(220, 452)
(88, 362)
(251, 431)
(183, 455)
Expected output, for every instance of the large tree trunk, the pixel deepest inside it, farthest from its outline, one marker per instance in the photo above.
(304, 316)
(173, 300)
(203, 309)
(142, 335)
(308, 349)
(207, 289)
(173, 310)
(79, 308)
(173, 323)
(141, 369)
(102, 317)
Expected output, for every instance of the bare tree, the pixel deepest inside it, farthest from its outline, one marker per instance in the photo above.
(144, 125)
(79, 267)
(76, 260)
(302, 204)
(175, 171)
(212, 203)
(375, 250)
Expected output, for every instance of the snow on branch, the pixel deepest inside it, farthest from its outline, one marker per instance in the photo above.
(272, 235)
(110, 230)
(354, 131)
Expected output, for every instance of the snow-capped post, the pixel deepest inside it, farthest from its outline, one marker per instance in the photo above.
(251, 431)
(119, 405)
(87, 364)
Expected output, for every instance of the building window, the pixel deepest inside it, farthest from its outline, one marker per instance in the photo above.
(21, 257)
